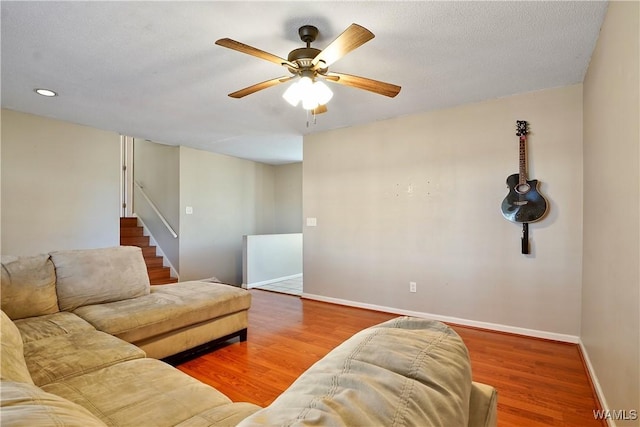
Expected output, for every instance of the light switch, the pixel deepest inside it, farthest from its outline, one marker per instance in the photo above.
(189, 210)
(312, 222)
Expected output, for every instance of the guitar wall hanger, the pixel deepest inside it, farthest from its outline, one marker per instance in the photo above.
(523, 204)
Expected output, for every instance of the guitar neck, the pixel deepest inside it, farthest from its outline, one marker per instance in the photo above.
(522, 179)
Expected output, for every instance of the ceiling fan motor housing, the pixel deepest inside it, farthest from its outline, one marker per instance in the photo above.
(304, 55)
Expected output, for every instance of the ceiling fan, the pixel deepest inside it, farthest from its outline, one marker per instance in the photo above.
(311, 66)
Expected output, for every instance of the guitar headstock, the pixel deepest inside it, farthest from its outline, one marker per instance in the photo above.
(522, 127)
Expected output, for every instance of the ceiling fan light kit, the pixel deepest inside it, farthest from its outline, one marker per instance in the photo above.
(312, 94)
(310, 65)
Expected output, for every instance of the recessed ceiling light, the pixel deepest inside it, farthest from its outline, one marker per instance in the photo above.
(45, 92)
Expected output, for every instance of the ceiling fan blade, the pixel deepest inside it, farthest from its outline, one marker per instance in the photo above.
(382, 88)
(320, 109)
(353, 37)
(327, 77)
(249, 50)
(259, 86)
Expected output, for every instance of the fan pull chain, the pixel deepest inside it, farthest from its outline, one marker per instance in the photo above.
(313, 115)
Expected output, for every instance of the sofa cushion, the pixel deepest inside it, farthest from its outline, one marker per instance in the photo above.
(51, 325)
(94, 276)
(406, 371)
(28, 286)
(483, 405)
(13, 367)
(27, 405)
(167, 308)
(65, 356)
(222, 416)
(142, 392)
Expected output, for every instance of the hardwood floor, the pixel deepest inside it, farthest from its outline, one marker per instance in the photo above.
(539, 382)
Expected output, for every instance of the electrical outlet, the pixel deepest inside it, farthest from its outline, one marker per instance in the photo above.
(412, 287)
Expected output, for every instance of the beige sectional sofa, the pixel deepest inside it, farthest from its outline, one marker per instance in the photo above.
(81, 358)
(74, 375)
(109, 288)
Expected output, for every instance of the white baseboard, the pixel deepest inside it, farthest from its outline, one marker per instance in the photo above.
(447, 319)
(595, 382)
(266, 282)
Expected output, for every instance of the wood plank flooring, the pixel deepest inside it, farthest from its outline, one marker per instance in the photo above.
(539, 382)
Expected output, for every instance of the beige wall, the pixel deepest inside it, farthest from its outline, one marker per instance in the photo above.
(61, 190)
(230, 197)
(157, 169)
(611, 284)
(60, 185)
(418, 199)
(288, 198)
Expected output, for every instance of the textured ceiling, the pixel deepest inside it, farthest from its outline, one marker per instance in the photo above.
(151, 69)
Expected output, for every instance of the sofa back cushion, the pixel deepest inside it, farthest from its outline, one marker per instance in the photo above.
(27, 405)
(12, 364)
(95, 276)
(404, 372)
(28, 286)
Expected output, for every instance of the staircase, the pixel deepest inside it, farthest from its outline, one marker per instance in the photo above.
(132, 235)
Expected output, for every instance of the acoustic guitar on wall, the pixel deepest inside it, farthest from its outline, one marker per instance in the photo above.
(524, 203)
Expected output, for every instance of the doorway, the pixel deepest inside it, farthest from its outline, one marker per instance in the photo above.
(126, 176)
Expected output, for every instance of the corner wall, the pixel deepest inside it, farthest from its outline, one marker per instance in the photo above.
(611, 277)
(157, 169)
(418, 199)
(60, 185)
(288, 198)
(230, 197)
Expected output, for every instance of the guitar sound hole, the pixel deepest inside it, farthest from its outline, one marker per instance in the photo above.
(522, 188)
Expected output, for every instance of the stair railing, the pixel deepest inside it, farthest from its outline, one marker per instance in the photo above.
(156, 210)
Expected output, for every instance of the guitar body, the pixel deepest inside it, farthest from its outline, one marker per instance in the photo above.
(524, 203)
